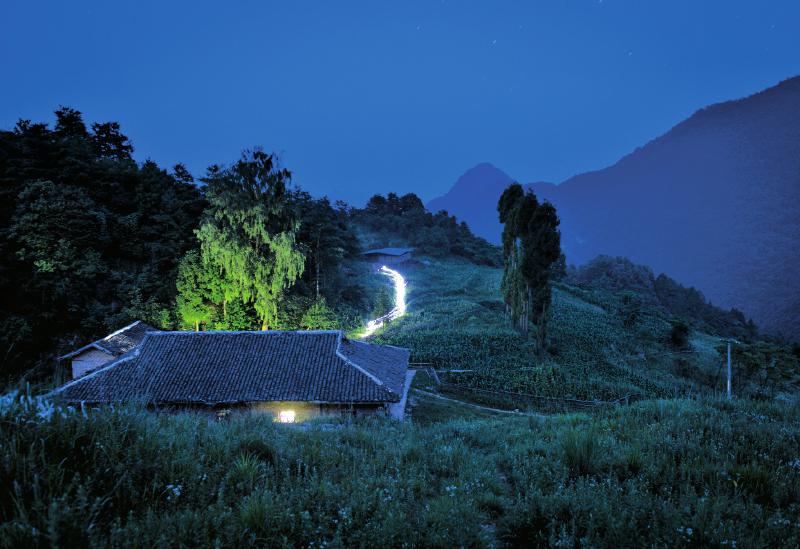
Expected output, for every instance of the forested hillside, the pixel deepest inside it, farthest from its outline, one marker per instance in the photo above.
(404, 221)
(641, 288)
(91, 240)
(88, 237)
(682, 468)
(603, 343)
(713, 203)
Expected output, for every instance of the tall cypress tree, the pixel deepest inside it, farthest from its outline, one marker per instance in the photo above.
(531, 245)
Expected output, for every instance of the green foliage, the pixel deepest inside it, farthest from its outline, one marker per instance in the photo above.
(403, 221)
(581, 451)
(194, 284)
(248, 234)
(531, 248)
(679, 334)
(630, 309)
(328, 240)
(90, 240)
(383, 302)
(674, 473)
(762, 369)
(270, 255)
(620, 275)
(319, 317)
(455, 320)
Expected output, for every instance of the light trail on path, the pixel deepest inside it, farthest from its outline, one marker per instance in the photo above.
(399, 302)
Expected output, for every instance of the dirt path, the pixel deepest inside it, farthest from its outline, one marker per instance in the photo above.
(478, 406)
(397, 410)
(399, 302)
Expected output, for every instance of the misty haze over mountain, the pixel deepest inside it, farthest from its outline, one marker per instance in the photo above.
(714, 203)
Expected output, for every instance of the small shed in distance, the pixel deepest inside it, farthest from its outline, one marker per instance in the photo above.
(388, 256)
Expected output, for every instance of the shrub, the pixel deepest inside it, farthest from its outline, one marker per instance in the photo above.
(679, 334)
(319, 317)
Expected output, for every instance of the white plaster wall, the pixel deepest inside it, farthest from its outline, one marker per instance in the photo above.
(89, 360)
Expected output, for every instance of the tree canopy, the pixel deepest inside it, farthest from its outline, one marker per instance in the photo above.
(403, 220)
(87, 236)
(531, 247)
(249, 233)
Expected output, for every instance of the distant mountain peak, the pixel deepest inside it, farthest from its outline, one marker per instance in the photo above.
(483, 174)
(480, 177)
(476, 191)
(483, 166)
(713, 202)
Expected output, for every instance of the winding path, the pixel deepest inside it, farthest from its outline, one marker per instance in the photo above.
(399, 302)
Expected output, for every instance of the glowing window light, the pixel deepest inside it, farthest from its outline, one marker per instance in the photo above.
(286, 416)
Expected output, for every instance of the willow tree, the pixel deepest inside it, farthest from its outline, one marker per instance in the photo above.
(248, 234)
(531, 245)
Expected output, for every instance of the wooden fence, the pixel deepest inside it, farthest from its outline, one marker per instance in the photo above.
(520, 400)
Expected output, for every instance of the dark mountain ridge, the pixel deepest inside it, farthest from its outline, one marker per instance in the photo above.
(475, 191)
(714, 202)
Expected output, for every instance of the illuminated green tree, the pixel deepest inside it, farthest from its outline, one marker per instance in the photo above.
(248, 235)
(319, 317)
(194, 301)
(383, 302)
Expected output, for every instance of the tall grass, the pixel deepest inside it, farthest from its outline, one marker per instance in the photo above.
(581, 450)
(656, 473)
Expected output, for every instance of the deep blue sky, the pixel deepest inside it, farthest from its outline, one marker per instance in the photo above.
(365, 97)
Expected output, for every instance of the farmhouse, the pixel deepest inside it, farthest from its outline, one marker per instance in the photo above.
(388, 256)
(290, 375)
(90, 357)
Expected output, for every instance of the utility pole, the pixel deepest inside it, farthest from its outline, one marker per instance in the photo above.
(731, 341)
(729, 369)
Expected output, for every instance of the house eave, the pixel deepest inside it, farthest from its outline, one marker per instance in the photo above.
(218, 404)
(93, 345)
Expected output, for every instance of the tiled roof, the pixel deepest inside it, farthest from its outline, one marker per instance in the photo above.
(389, 251)
(380, 361)
(119, 342)
(239, 367)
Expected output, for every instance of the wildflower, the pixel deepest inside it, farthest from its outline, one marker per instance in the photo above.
(173, 491)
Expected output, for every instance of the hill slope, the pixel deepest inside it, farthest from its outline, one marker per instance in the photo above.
(714, 202)
(597, 349)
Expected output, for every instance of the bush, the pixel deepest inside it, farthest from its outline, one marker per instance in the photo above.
(679, 334)
(319, 317)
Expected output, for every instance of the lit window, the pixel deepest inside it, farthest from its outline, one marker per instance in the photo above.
(286, 416)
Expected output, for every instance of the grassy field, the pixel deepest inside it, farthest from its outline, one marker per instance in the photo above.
(681, 468)
(675, 472)
(456, 320)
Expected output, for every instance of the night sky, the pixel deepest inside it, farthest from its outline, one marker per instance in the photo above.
(366, 97)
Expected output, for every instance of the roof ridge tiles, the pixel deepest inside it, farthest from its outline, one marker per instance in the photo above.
(224, 366)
